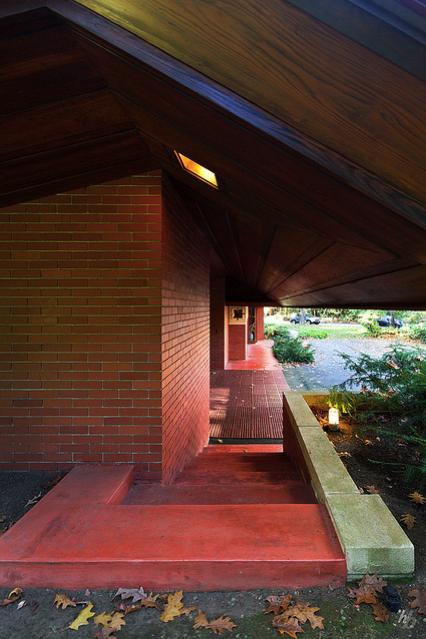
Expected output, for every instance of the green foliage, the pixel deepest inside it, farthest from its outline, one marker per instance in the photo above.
(271, 329)
(418, 332)
(372, 328)
(291, 350)
(313, 331)
(392, 400)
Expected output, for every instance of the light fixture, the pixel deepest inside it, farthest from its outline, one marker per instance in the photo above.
(197, 170)
(333, 418)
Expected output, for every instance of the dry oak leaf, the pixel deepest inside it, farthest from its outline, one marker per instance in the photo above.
(104, 619)
(135, 594)
(363, 594)
(419, 600)
(373, 490)
(374, 582)
(287, 626)
(63, 601)
(380, 612)
(83, 617)
(417, 498)
(117, 621)
(408, 520)
(151, 601)
(105, 633)
(305, 612)
(175, 607)
(13, 596)
(277, 604)
(218, 625)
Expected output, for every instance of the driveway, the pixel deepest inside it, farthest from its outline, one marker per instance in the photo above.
(328, 369)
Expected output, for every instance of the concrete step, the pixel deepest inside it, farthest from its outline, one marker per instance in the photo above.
(195, 547)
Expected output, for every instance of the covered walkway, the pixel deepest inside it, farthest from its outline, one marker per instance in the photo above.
(246, 398)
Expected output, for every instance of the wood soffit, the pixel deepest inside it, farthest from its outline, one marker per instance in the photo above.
(317, 139)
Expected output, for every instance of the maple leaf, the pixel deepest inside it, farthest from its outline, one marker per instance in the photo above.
(175, 607)
(380, 612)
(277, 604)
(373, 490)
(374, 582)
(287, 626)
(135, 594)
(419, 600)
(83, 617)
(408, 520)
(63, 601)
(417, 498)
(13, 596)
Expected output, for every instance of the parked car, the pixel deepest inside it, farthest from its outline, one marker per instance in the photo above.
(309, 319)
(389, 320)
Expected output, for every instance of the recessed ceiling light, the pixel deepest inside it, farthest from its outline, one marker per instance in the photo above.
(198, 170)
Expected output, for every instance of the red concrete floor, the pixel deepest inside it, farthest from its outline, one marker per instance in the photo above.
(237, 518)
(246, 398)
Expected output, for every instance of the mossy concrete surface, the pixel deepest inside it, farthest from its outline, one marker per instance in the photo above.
(371, 538)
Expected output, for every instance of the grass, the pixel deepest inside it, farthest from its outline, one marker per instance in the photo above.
(323, 331)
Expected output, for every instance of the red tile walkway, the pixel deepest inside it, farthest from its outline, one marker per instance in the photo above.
(246, 398)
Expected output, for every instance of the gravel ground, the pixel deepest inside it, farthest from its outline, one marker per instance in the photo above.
(328, 369)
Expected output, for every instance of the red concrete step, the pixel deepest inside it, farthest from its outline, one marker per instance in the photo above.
(221, 449)
(195, 547)
(289, 492)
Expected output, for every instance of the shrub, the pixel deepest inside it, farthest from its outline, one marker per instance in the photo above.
(392, 400)
(372, 328)
(292, 350)
(418, 333)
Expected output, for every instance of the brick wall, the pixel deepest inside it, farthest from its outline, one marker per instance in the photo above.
(80, 360)
(237, 337)
(260, 323)
(217, 324)
(185, 336)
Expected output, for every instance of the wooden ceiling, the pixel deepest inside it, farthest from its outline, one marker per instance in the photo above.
(317, 140)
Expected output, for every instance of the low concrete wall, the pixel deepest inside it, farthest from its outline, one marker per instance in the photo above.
(370, 536)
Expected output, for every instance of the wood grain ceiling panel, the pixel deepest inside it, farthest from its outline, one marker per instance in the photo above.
(300, 70)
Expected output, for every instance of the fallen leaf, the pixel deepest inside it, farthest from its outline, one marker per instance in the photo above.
(287, 626)
(218, 625)
(63, 601)
(135, 594)
(417, 498)
(104, 619)
(33, 501)
(408, 520)
(277, 604)
(200, 621)
(373, 490)
(374, 582)
(380, 612)
(175, 607)
(419, 600)
(305, 612)
(13, 596)
(105, 633)
(117, 621)
(363, 594)
(221, 624)
(83, 617)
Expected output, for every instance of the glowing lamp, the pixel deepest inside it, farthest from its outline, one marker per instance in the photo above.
(333, 418)
(197, 170)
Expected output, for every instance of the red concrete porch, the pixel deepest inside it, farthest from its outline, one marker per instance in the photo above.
(237, 518)
(246, 398)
